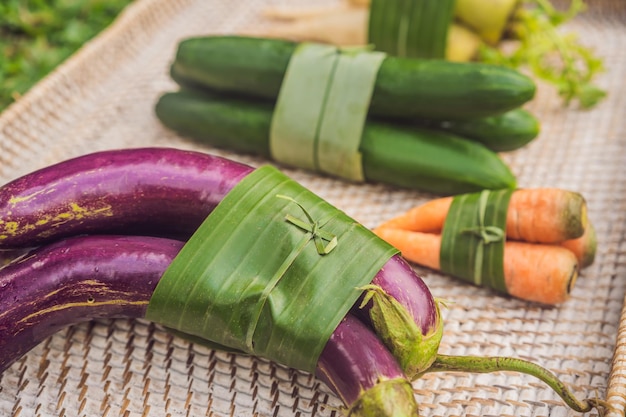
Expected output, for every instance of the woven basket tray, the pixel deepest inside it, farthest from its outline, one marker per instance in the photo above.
(103, 98)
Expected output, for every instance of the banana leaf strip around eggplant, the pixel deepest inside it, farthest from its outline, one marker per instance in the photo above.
(271, 272)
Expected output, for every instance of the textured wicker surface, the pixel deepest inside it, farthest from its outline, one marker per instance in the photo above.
(103, 98)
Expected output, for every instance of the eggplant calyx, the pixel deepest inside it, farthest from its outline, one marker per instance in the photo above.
(414, 350)
(389, 398)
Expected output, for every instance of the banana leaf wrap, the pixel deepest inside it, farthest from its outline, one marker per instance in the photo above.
(410, 28)
(270, 272)
(294, 143)
(323, 132)
(473, 237)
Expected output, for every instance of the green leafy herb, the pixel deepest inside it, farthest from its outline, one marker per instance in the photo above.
(37, 35)
(551, 55)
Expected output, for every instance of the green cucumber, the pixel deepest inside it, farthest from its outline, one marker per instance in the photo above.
(402, 156)
(501, 133)
(405, 88)
(506, 132)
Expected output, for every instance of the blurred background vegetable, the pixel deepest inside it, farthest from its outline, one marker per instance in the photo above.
(37, 35)
(558, 57)
(530, 35)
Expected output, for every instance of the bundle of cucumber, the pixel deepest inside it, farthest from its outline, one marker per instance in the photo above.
(430, 125)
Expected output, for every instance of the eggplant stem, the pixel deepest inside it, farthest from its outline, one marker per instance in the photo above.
(477, 364)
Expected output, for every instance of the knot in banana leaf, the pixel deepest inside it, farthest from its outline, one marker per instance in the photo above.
(487, 234)
(318, 235)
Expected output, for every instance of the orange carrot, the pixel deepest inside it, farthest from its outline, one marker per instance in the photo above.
(535, 272)
(418, 247)
(584, 247)
(544, 215)
(539, 272)
(547, 215)
(428, 217)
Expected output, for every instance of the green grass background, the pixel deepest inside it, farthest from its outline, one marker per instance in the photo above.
(37, 35)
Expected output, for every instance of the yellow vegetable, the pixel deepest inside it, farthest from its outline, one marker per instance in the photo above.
(347, 26)
(487, 17)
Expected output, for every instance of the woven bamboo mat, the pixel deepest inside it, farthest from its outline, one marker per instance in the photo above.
(103, 97)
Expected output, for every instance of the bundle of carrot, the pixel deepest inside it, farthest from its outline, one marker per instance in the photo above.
(513, 33)
(546, 239)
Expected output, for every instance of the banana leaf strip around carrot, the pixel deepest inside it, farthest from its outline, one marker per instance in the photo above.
(472, 241)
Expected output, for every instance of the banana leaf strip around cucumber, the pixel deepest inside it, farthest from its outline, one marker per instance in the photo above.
(402, 156)
(405, 88)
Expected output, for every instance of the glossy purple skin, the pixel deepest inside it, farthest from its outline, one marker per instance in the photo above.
(354, 360)
(74, 280)
(401, 282)
(161, 192)
(148, 191)
(87, 277)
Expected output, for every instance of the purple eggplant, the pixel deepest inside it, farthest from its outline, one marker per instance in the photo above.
(357, 366)
(89, 277)
(145, 191)
(402, 310)
(74, 280)
(163, 193)
(168, 192)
